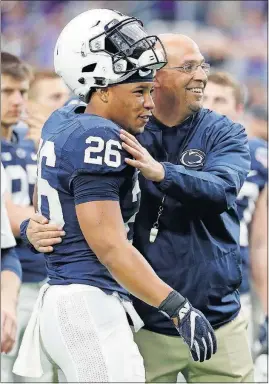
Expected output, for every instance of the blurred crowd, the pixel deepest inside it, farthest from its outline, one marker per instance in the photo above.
(231, 35)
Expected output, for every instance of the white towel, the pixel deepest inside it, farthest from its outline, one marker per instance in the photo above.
(28, 362)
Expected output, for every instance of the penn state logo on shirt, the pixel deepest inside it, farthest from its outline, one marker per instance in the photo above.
(193, 158)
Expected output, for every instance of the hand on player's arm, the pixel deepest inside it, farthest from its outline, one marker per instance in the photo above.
(10, 284)
(43, 235)
(102, 226)
(150, 168)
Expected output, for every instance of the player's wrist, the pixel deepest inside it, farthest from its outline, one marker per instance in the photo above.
(171, 306)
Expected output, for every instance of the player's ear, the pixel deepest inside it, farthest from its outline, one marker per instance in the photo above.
(103, 94)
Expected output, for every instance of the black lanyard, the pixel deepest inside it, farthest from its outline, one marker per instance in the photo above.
(155, 227)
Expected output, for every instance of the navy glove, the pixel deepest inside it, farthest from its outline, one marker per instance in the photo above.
(193, 327)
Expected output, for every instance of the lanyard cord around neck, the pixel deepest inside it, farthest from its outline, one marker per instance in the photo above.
(155, 227)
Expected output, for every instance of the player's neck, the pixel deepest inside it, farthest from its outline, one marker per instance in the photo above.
(98, 110)
(6, 132)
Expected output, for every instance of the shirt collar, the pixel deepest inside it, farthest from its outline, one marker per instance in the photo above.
(157, 124)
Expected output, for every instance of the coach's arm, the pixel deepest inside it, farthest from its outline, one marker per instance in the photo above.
(215, 188)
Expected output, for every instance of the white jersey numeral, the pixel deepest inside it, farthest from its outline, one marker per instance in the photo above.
(17, 172)
(111, 157)
(44, 188)
(31, 172)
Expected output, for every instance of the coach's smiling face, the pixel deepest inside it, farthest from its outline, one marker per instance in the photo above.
(183, 79)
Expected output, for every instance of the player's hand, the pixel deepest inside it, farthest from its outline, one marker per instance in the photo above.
(197, 332)
(192, 326)
(8, 323)
(35, 118)
(43, 235)
(150, 168)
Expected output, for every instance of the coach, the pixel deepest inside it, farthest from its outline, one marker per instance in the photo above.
(187, 226)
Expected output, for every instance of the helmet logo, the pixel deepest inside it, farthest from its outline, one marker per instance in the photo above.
(118, 67)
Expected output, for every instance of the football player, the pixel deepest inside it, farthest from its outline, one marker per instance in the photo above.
(85, 187)
(47, 92)
(20, 168)
(48, 89)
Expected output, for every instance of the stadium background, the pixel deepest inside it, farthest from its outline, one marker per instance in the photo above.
(232, 35)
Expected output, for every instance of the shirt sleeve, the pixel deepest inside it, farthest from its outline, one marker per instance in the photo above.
(10, 261)
(218, 184)
(94, 151)
(102, 187)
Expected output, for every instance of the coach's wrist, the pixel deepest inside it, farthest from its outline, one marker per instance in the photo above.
(159, 173)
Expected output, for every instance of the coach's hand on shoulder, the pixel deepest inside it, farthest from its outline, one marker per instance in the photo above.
(43, 235)
(142, 160)
(191, 325)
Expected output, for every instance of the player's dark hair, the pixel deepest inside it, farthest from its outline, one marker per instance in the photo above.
(225, 79)
(12, 66)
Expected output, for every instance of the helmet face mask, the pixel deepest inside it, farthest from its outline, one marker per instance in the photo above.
(102, 47)
(127, 40)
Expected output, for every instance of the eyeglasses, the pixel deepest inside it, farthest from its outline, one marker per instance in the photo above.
(192, 68)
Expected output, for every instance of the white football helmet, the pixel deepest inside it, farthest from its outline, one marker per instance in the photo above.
(101, 47)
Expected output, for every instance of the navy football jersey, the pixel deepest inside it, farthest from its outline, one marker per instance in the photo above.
(247, 198)
(20, 166)
(78, 146)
